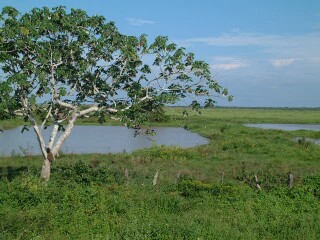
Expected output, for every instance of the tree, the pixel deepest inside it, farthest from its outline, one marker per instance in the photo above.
(59, 66)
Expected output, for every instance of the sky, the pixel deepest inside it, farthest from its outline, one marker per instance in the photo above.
(266, 52)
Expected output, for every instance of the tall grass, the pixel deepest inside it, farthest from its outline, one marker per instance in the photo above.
(83, 202)
(207, 192)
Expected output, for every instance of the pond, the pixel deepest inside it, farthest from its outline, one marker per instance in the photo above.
(99, 139)
(289, 127)
(286, 127)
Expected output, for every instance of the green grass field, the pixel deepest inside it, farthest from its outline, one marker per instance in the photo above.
(207, 192)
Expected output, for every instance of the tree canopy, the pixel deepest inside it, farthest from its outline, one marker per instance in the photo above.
(59, 65)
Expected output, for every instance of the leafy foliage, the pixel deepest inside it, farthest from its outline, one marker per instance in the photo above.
(59, 66)
(70, 59)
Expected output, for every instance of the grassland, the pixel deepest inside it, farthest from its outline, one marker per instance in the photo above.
(207, 192)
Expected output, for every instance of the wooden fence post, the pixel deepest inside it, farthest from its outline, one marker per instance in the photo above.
(257, 182)
(234, 174)
(155, 178)
(290, 180)
(126, 173)
(222, 177)
(178, 177)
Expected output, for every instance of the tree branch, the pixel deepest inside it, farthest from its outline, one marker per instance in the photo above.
(33, 121)
(86, 111)
(66, 105)
(65, 134)
(53, 135)
(46, 118)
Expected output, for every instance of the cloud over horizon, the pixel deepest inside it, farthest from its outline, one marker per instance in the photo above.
(281, 46)
(138, 21)
(228, 63)
(278, 63)
(265, 65)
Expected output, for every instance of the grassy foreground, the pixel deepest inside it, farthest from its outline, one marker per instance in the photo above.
(208, 192)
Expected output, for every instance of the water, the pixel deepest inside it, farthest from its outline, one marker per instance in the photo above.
(289, 127)
(99, 139)
(316, 141)
(286, 127)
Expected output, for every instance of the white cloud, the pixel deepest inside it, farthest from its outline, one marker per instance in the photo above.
(238, 39)
(228, 63)
(280, 46)
(278, 63)
(226, 66)
(259, 65)
(315, 59)
(139, 22)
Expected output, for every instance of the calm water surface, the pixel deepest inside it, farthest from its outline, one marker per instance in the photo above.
(286, 127)
(289, 127)
(99, 139)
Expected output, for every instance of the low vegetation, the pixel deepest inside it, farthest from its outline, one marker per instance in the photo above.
(207, 192)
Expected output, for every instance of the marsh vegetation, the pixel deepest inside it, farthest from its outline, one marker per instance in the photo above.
(206, 192)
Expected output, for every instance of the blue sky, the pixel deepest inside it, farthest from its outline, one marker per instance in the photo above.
(267, 53)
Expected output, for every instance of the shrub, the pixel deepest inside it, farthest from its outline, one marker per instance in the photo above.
(312, 183)
(86, 175)
(192, 188)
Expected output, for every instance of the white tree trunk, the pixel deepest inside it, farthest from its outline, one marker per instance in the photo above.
(65, 135)
(55, 149)
(46, 165)
(46, 170)
(53, 135)
(53, 146)
(40, 139)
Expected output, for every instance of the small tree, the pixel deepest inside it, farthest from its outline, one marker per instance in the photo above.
(58, 66)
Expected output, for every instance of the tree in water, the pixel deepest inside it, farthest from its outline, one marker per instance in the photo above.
(59, 66)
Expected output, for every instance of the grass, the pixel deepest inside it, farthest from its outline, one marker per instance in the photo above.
(207, 192)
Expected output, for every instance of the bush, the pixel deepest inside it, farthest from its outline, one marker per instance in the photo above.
(86, 175)
(312, 183)
(267, 179)
(192, 188)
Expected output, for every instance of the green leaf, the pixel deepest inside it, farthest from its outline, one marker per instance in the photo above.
(24, 30)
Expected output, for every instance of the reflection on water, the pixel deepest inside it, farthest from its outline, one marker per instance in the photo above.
(99, 139)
